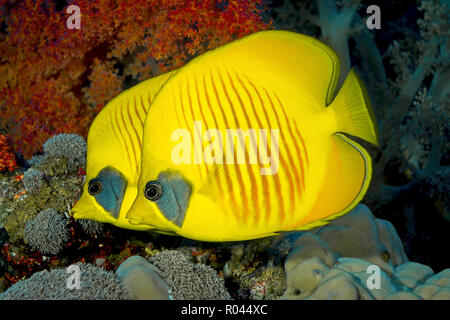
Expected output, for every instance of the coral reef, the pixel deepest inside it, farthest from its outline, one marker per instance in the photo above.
(254, 269)
(47, 232)
(187, 279)
(349, 279)
(70, 146)
(436, 287)
(53, 182)
(33, 180)
(95, 284)
(143, 280)
(404, 66)
(411, 274)
(359, 234)
(7, 157)
(268, 284)
(91, 227)
(56, 80)
(335, 261)
(34, 207)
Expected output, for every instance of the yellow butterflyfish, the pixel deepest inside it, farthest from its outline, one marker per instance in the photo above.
(248, 140)
(114, 156)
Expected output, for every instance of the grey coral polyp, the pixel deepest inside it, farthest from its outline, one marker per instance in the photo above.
(95, 284)
(33, 180)
(91, 227)
(70, 146)
(190, 281)
(48, 232)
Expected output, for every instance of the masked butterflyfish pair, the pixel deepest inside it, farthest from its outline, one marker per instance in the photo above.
(242, 142)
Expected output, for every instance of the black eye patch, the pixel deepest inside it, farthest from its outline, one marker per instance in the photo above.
(171, 192)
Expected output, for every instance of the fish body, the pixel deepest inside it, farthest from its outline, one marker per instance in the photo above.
(269, 82)
(274, 91)
(114, 156)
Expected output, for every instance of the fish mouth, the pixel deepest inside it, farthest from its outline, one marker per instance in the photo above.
(141, 222)
(141, 213)
(150, 226)
(138, 221)
(82, 210)
(76, 214)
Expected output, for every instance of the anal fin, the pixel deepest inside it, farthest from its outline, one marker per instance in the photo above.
(346, 181)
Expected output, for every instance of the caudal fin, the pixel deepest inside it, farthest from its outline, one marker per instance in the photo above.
(353, 110)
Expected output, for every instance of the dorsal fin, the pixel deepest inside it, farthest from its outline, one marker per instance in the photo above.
(276, 57)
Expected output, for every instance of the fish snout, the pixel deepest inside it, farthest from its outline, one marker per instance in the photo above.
(85, 209)
(141, 212)
(78, 212)
(134, 217)
(77, 215)
(75, 212)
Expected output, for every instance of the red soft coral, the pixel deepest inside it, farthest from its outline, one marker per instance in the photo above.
(57, 80)
(7, 157)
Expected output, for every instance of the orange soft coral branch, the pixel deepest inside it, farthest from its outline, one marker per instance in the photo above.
(56, 79)
(7, 157)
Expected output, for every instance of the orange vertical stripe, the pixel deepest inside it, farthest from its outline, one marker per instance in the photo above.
(137, 111)
(227, 174)
(275, 177)
(290, 163)
(123, 139)
(299, 156)
(113, 128)
(183, 108)
(282, 161)
(129, 136)
(305, 152)
(264, 180)
(202, 116)
(132, 125)
(254, 184)
(238, 170)
(303, 143)
(179, 110)
(208, 103)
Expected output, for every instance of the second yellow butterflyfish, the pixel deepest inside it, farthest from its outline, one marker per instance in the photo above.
(114, 156)
(250, 139)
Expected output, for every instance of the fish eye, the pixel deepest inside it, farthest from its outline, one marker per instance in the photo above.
(153, 190)
(95, 187)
